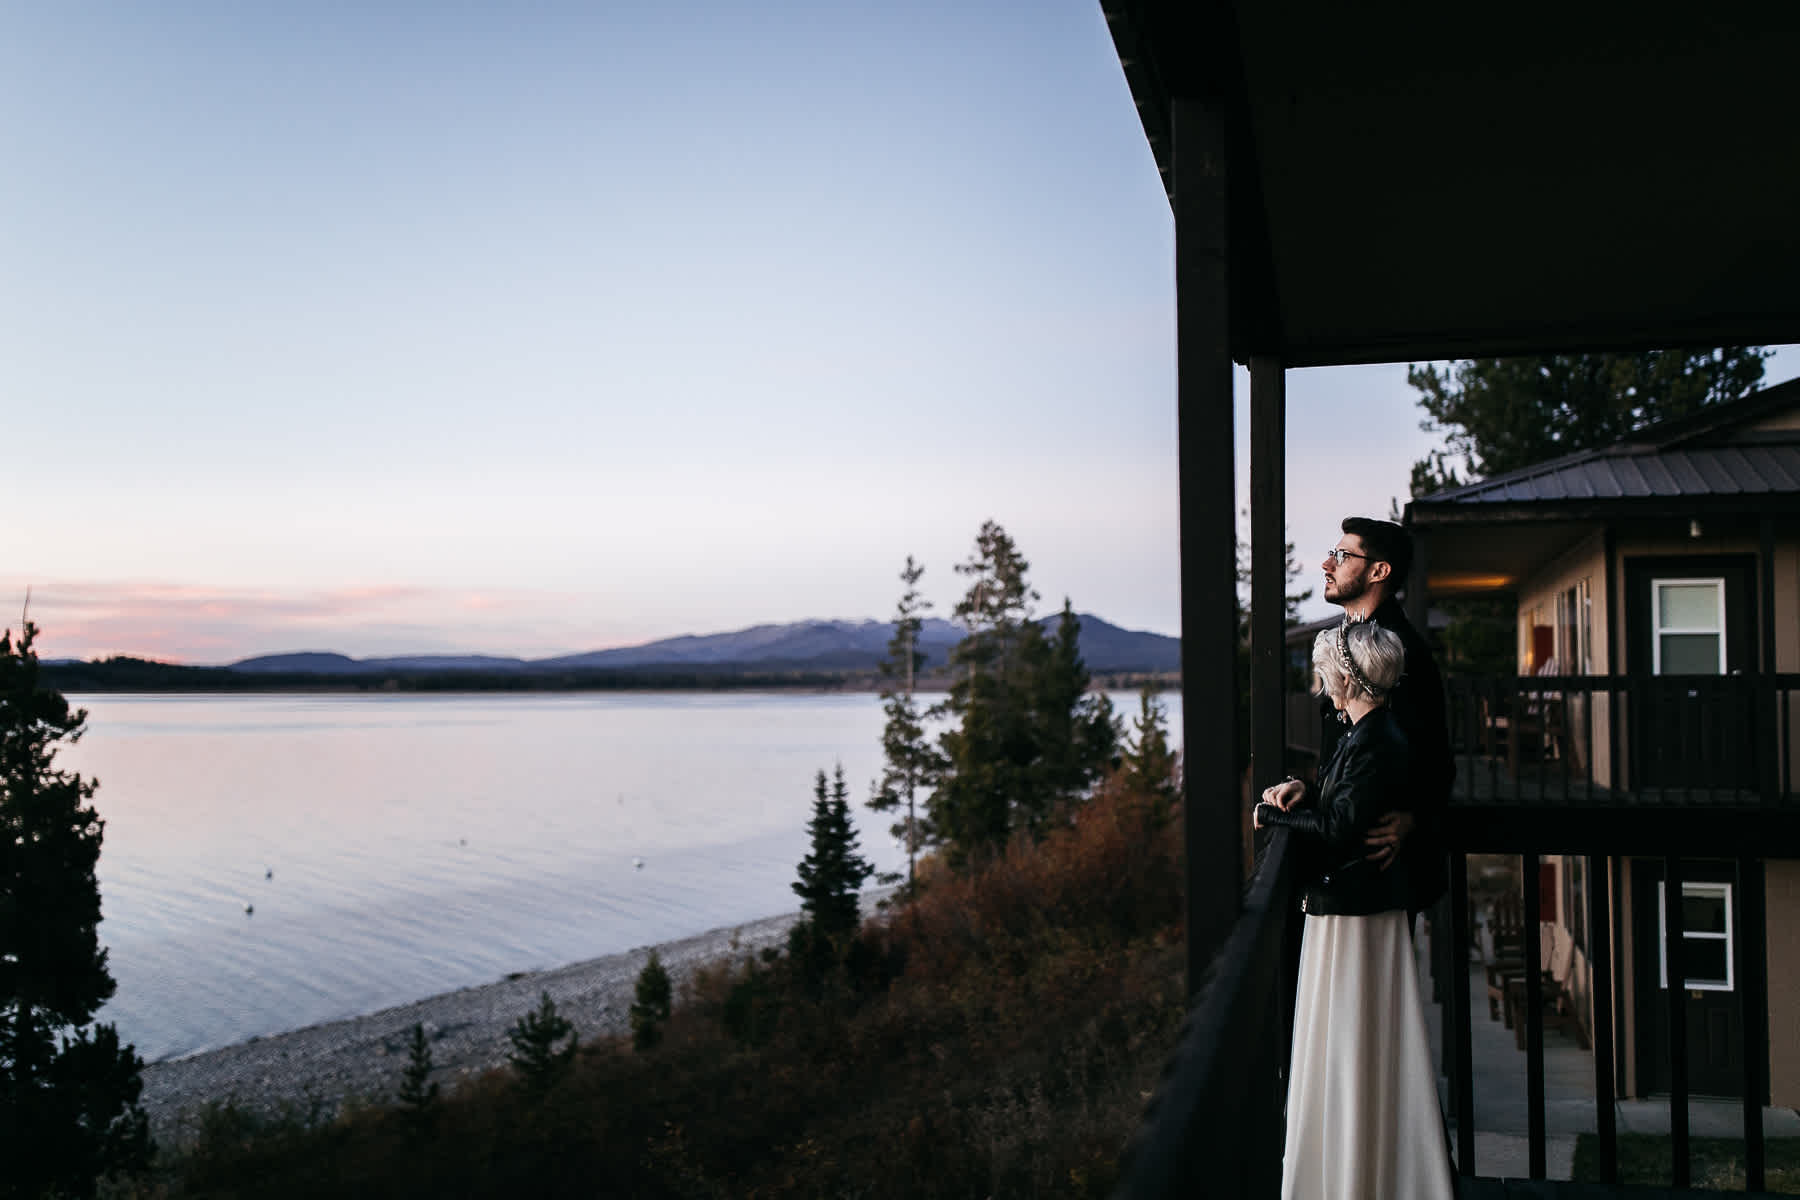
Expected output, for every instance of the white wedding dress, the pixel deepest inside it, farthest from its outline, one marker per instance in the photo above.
(1363, 1121)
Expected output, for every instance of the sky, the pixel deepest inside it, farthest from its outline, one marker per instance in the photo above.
(394, 328)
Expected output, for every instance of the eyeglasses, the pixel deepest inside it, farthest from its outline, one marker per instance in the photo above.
(1340, 554)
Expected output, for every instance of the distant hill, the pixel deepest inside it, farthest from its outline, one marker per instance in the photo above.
(319, 663)
(800, 645)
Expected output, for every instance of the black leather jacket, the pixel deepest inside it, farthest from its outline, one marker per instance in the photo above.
(1365, 779)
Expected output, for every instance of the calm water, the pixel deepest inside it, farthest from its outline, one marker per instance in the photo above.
(393, 847)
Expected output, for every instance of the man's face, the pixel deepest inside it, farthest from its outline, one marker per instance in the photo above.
(1346, 582)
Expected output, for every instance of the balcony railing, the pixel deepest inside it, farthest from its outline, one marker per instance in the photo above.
(1592, 740)
(1215, 1128)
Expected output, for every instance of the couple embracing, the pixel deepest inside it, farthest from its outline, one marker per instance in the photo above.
(1363, 1120)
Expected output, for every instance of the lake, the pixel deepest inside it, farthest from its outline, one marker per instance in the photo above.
(275, 861)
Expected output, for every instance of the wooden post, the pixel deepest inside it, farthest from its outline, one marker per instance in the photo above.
(1268, 572)
(1600, 990)
(1214, 808)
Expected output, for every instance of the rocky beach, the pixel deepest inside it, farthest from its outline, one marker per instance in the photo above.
(310, 1072)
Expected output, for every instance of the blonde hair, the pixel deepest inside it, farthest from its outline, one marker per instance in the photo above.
(1376, 658)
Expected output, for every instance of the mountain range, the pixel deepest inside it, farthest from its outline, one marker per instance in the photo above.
(800, 645)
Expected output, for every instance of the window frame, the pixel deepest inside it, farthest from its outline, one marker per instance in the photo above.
(1698, 888)
(1658, 629)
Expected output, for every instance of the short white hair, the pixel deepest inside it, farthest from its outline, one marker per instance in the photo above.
(1378, 653)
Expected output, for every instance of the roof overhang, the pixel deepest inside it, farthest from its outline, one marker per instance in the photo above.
(1427, 181)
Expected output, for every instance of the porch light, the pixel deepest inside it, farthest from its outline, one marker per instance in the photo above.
(1693, 527)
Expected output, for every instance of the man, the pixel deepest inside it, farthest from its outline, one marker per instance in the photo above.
(1364, 573)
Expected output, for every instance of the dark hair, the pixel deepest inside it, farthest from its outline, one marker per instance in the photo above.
(1384, 541)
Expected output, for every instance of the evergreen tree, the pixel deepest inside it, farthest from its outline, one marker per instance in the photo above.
(535, 1055)
(833, 872)
(1149, 766)
(1499, 414)
(909, 758)
(652, 1005)
(417, 1091)
(68, 1095)
(1076, 730)
(989, 766)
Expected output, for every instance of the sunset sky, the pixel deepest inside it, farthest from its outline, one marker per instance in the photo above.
(532, 329)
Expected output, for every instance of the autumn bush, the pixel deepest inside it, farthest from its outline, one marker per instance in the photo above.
(997, 1036)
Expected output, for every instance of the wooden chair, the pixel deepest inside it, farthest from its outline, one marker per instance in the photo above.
(1559, 1005)
(1506, 921)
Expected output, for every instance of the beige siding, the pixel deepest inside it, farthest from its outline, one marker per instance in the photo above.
(1584, 560)
(1782, 887)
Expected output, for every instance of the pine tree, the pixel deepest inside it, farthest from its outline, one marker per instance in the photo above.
(534, 1054)
(989, 755)
(417, 1091)
(1148, 765)
(68, 1097)
(908, 756)
(651, 1007)
(1076, 731)
(833, 872)
(1499, 414)
(830, 880)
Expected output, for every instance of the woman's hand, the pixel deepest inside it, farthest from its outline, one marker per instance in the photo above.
(1284, 794)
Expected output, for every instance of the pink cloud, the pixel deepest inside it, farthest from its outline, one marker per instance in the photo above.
(211, 624)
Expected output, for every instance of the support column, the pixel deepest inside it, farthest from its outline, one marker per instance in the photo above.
(1214, 809)
(1418, 597)
(1268, 572)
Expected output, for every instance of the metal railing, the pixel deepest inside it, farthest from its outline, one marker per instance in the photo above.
(1661, 741)
(1215, 1125)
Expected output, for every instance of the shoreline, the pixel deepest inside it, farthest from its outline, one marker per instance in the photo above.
(311, 1072)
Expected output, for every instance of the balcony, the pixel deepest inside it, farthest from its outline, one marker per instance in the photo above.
(1544, 767)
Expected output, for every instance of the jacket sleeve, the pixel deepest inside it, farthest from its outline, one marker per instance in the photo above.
(1362, 789)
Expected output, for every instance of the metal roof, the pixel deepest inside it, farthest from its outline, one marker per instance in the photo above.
(1710, 454)
(1612, 474)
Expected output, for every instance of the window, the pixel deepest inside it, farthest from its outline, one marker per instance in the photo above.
(1574, 641)
(1705, 936)
(1575, 900)
(1687, 619)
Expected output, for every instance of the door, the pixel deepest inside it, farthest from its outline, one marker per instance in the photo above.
(1715, 1037)
(1692, 712)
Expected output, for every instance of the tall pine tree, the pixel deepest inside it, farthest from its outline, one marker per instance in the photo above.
(1076, 730)
(908, 757)
(1027, 738)
(68, 1095)
(990, 752)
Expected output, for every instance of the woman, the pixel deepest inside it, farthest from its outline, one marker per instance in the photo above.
(1362, 1114)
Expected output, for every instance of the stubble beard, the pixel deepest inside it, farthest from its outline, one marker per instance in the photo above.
(1343, 593)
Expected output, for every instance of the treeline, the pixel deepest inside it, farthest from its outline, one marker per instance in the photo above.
(124, 674)
(142, 675)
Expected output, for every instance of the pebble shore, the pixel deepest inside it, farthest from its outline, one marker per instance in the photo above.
(311, 1071)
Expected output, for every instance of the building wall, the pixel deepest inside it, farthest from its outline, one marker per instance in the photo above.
(1787, 638)
(1586, 560)
(1782, 887)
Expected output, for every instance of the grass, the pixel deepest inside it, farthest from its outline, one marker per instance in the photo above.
(1717, 1163)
